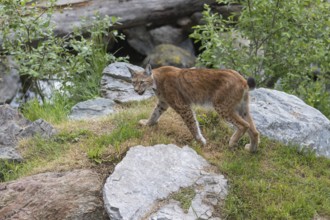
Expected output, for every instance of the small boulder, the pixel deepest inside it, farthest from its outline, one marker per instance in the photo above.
(13, 127)
(91, 109)
(66, 195)
(40, 127)
(116, 83)
(288, 119)
(170, 55)
(142, 182)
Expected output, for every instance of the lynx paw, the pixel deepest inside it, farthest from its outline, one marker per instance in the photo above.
(248, 147)
(232, 145)
(143, 122)
(202, 141)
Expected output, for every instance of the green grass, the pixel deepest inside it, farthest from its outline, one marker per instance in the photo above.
(54, 111)
(126, 129)
(38, 152)
(278, 182)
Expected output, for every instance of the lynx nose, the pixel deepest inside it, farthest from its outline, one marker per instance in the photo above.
(136, 89)
(140, 92)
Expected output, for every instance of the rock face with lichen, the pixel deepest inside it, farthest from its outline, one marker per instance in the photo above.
(170, 55)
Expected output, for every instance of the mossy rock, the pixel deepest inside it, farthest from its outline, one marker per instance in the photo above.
(170, 55)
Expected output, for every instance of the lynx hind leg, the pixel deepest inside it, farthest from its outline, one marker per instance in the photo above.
(244, 112)
(253, 134)
(231, 116)
(160, 108)
(191, 122)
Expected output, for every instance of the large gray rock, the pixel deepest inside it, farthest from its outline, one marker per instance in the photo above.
(288, 119)
(13, 127)
(116, 83)
(9, 80)
(70, 195)
(142, 181)
(91, 109)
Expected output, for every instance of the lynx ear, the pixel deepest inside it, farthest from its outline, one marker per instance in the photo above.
(131, 71)
(148, 70)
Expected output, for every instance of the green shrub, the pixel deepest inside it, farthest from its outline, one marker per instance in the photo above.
(277, 42)
(28, 36)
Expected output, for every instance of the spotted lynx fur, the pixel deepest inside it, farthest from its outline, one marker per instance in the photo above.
(226, 90)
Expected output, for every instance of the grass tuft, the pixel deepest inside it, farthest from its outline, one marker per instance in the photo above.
(54, 111)
(185, 197)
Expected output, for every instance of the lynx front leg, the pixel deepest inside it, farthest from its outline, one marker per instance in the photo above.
(190, 120)
(160, 108)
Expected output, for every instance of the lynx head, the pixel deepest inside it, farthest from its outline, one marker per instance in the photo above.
(141, 80)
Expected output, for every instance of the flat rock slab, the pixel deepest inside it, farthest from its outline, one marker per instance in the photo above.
(13, 127)
(92, 109)
(288, 119)
(145, 178)
(66, 195)
(116, 83)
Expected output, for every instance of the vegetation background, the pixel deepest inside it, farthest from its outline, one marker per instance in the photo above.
(284, 44)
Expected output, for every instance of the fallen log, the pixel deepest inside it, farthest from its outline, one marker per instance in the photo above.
(132, 13)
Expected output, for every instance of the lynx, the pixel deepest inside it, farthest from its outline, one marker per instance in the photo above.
(226, 90)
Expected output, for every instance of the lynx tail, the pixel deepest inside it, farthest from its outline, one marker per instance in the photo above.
(251, 82)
